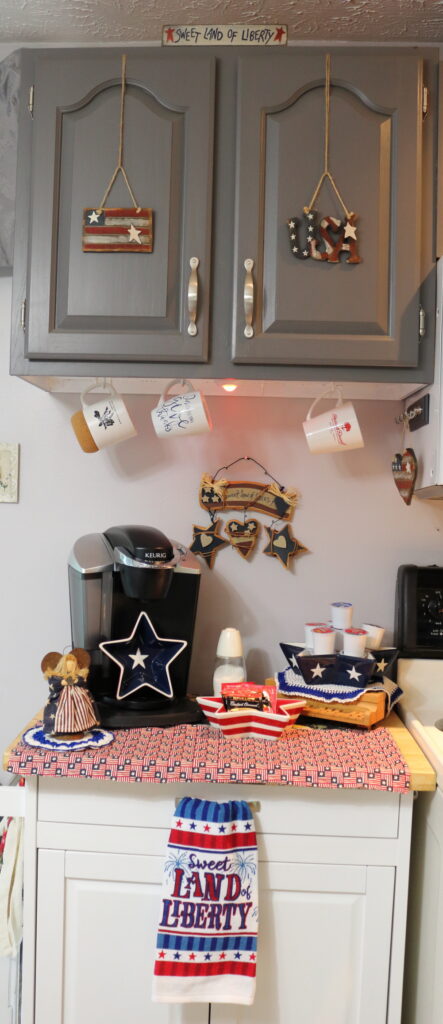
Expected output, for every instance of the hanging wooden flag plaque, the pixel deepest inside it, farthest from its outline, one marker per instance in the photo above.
(117, 229)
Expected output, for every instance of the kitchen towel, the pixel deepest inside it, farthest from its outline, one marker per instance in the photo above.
(11, 890)
(207, 936)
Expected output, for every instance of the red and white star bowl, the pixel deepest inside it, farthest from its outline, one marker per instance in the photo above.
(247, 722)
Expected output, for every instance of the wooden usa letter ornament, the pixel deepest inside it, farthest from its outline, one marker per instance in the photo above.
(325, 241)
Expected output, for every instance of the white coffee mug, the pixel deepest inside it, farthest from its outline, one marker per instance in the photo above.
(334, 431)
(178, 415)
(106, 416)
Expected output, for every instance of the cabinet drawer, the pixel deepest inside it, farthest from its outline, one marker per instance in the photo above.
(281, 810)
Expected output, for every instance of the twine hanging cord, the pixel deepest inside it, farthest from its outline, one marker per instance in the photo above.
(120, 168)
(326, 171)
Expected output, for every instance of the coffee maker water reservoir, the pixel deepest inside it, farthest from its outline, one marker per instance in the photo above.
(133, 598)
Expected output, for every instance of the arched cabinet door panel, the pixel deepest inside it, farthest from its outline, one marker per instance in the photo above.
(128, 306)
(310, 310)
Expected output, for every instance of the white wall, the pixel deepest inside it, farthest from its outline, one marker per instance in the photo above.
(350, 517)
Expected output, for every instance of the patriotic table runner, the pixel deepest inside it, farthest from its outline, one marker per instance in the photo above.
(324, 758)
(207, 935)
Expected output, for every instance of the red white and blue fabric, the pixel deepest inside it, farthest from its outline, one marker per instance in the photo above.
(207, 936)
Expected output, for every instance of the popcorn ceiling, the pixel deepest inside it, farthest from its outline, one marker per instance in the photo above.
(70, 21)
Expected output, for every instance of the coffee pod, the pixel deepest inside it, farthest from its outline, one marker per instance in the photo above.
(375, 636)
(341, 614)
(354, 642)
(309, 626)
(323, 640)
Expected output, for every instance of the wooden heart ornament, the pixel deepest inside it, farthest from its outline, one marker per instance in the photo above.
(404, 471)
(243, 536)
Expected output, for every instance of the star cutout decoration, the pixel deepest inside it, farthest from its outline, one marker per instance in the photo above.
(384, 664)
(282, 545)
(158, 651)
(206, 541)
(317, 672)
(138, 658)
(292, 651)
(352, 671)
(350, 230)
(134, 234)
(93, 217)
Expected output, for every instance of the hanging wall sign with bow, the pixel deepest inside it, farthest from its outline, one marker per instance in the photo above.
(271, 498)
(118, 229)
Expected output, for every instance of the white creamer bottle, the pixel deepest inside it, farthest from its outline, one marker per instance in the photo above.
(229, 661)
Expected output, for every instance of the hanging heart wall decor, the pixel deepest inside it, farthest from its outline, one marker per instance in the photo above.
(404, 471)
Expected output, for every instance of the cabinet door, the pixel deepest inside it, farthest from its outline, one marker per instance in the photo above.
(96, 929)
(324, 946)
(127, 306)
(308, 311)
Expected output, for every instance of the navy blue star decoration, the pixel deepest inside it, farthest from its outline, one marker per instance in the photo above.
(291, 653)
(282, 545)
(206, 541)
(144, 659)
(385, 663)
(339, 669)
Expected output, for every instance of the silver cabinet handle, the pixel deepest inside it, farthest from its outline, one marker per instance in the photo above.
(248, 298)
(193, 295)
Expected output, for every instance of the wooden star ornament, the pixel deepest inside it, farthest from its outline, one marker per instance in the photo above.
(206, 541)
(283, 545)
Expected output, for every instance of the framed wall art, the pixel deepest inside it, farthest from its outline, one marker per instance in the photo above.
(9, 456)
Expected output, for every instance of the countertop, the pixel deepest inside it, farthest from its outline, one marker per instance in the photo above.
(335, 758)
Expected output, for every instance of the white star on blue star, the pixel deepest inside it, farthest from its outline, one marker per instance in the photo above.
(143, 642)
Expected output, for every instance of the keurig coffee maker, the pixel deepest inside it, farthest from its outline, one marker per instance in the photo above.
(133, 597)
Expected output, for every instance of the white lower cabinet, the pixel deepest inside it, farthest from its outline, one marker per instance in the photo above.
(324, 946)
(333, 874)
(324, 937)
(97, 917)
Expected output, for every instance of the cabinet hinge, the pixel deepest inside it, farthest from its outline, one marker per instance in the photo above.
(421, 322)
(23, 315)
(31, 100)
(425, 101)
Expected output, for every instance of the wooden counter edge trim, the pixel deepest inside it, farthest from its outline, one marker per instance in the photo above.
(423, 776)
(7, 753)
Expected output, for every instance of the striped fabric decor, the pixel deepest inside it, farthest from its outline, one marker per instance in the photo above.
(207, 936)
(75, 711)
(117, 229)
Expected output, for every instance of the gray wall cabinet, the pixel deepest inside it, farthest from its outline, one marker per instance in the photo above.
(226, 147)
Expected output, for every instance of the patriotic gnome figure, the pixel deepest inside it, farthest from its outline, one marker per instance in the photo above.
(70, 709)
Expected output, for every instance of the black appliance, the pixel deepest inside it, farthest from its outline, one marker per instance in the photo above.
(419, 611)
(135, 591)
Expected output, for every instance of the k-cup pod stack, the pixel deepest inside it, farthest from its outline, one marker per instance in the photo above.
(354, 642)
(309, 626)
(375, 636)
(323, 640)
